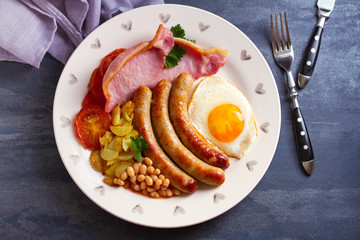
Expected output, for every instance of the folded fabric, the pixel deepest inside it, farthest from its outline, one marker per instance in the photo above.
(30, 28)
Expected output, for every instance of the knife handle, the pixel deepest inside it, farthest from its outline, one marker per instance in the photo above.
(302, 137)
(311, 55)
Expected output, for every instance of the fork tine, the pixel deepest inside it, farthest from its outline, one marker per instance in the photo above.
(272, 34)
(277, 33)
(282, 33)
(287, 31)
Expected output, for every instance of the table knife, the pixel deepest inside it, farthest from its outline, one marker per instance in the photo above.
(324, 9)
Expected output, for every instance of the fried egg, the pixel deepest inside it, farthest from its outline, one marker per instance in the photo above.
(223, 115)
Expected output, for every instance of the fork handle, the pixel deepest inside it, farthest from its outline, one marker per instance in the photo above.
(310, 58)
(302, 137)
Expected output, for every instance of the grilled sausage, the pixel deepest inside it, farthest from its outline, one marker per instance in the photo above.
(142, 123)
(187, 133)
(172, 144)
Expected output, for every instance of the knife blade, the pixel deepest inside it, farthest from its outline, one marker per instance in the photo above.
(325, 7)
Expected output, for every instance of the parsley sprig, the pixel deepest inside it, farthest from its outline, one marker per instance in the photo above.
(174, 56)
(177, 52)
(179, 32)
(139, 145)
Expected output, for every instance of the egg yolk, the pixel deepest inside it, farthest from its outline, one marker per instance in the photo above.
(225, 122)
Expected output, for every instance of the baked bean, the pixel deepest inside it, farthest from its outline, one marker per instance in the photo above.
(149, 181)
(157, 171)
(161, 177)
(136, 187)
(148, 161)
(154, 177)
(150, 169)
(143, 185)
(162, 193)
(130, 171)
(119, 182)
(166, 182)
(140, 177)
(158, 183)
(154, 195)
(123, 175)
(133, 179)
(169, 192)
(145, 192)
(136, 167)
(143, 169)
(176, 192)
(150, 189)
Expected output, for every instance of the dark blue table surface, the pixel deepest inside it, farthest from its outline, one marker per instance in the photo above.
(39, 200)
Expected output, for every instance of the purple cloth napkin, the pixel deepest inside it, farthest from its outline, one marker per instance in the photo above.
(30, 28)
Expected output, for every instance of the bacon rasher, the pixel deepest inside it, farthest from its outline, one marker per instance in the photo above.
(143, 65)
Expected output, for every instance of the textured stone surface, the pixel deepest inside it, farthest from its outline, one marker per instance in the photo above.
(39, 200)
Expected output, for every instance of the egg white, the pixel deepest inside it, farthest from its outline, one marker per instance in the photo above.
(212, 92)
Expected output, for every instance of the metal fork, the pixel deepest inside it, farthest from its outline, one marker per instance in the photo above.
(284, 56)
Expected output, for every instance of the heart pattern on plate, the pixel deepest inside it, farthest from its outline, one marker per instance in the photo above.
(218, 197)
(73, 79)
(250, 165)
(260, 89)
(179, 210)
(75, 158)
(264, 127)
(137, 209)
(203, 27)
(127, 26)
(64, 121)
(96, 44)
(100, 189)
(245, 56)
(164, 18)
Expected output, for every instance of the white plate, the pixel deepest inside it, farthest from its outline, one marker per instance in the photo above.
(245, 67)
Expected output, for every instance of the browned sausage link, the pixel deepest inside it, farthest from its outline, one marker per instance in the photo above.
(142, 123)
(187, 133)
(172, 144)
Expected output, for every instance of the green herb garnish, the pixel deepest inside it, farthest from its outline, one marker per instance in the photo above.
(179, 32)
(174, 56)
(139, 145)
(177, 52)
